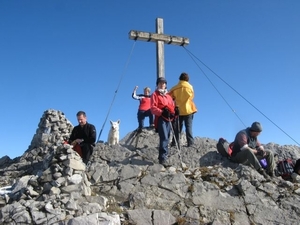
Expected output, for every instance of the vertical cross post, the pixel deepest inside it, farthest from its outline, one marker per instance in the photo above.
(160, 38)
(160, 50)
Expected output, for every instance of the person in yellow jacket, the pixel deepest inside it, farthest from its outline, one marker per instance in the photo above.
(183, 95)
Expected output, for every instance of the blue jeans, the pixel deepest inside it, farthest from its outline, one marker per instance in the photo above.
(141, 115)
(164, 129)
(188, 123)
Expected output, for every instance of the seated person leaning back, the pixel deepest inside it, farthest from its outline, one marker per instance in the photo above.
(248, 150)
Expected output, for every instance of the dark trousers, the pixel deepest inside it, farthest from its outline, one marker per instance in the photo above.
(247, 157)
(178, 125)
(176, 134)
(87, 151)
(164, 129)
(188, 123)
(141, 115)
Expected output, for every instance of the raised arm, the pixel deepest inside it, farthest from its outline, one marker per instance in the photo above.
(134, 95)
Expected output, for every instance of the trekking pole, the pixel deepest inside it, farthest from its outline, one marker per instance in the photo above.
(176, 135)
(176, 142)
(178, 131)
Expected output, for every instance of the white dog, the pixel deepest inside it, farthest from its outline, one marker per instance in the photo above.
(113, 135)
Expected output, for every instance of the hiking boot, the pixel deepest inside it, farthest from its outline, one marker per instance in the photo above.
(139, 130)
(272, 174)
(266, 176)
(164, 162)
(191, 145)
(173, 144)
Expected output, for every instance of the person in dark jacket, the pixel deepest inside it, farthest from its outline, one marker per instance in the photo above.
(144, 107)
(248, 150)
(84, 135)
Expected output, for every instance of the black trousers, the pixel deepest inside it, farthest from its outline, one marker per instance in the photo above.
(87, 151)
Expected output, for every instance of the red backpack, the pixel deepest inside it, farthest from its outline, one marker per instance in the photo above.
(285, 168)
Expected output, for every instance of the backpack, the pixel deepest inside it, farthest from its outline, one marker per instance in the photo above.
(224, 148)
(285, 168)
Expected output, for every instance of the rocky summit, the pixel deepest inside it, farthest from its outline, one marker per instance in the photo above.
(125, 184)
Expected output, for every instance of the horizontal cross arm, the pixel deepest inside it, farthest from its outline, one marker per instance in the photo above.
(154, 37)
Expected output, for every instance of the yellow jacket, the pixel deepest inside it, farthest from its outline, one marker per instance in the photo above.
(183, 94)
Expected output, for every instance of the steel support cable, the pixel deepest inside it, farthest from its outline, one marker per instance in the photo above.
(116, 91)
(216, 89)
(191, 54)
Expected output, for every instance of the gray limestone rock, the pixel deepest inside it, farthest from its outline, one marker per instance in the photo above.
(125, 184)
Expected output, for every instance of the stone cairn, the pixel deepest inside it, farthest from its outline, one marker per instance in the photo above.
(52, 184)
(53, 129)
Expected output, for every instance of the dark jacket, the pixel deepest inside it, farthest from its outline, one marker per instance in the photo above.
(87, 133)
(244, 137)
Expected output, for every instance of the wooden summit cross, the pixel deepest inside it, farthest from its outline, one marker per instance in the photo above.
(160, 38)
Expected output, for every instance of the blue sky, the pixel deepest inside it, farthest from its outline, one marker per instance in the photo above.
(75, 55)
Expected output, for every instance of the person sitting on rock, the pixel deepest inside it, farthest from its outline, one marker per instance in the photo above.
(83, 135)
(144, 107)
(248, 150)
(296, 174)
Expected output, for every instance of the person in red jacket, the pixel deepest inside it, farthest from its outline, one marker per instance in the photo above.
(163, 107)
(144, 107)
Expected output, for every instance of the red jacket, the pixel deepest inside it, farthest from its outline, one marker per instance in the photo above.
(145, 103)
(159, 102)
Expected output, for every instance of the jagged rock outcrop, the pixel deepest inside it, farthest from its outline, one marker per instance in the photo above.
(125, 184)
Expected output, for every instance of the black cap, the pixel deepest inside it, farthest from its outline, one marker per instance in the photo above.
(161, 79)
(256, 126)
